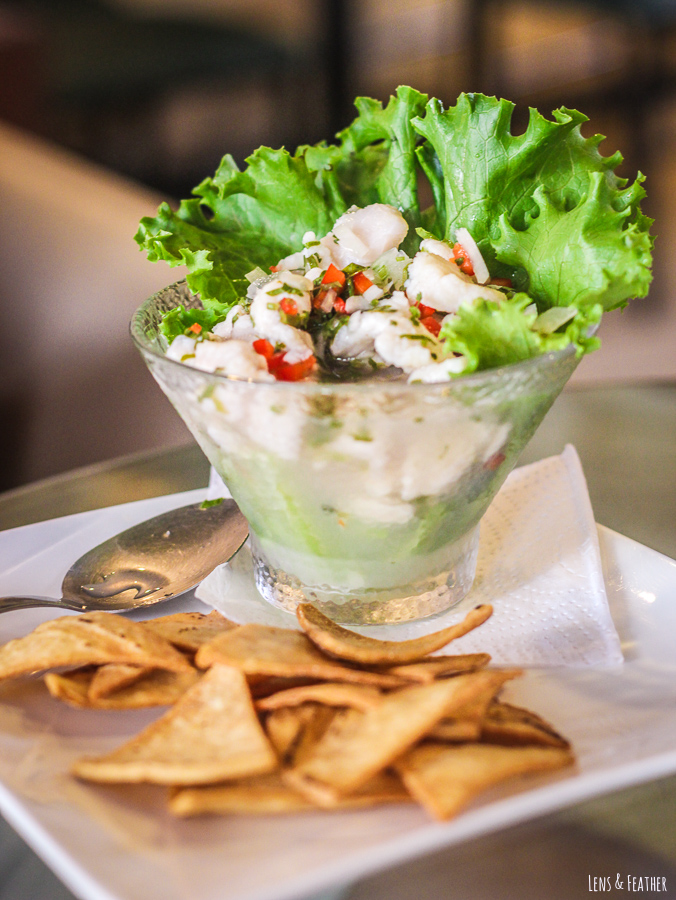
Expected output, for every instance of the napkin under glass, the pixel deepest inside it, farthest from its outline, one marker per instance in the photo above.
(539, 565)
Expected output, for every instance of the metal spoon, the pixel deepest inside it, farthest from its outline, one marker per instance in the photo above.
(150, 562)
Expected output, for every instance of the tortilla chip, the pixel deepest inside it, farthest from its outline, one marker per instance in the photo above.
(266, 650)
(456, 731)
(357, 745)
(284, 726)
(446, 778)
(348, 645)
(188, 631)
(156, 687)
(112, 677)
(94, 638)
(440, 666)
(512, 726)
(72, 688)
(330, 693)
(270, 795)
(314, 727)
(211, 734)
(260, 795)
(262, 686)
(467, 722)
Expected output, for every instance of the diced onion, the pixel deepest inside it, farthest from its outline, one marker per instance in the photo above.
(255, 274)
(373, 293)
(327, 303)
(467, 242)
(552, 319)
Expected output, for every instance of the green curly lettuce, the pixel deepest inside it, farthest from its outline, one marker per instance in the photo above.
(240, 220)
(389, 133)
(489, 333)
(592, 253)
(545, 207)
(542, 200)
(179, 320)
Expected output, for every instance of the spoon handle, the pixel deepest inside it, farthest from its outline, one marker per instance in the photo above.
(7, 604)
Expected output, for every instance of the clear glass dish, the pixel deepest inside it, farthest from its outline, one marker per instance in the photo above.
(363, 498)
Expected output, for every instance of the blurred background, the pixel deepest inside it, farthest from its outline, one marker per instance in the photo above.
(109, 106)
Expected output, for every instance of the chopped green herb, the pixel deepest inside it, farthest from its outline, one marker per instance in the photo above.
(207, 504)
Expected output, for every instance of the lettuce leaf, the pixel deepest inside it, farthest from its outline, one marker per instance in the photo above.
(545, 207)
(240, 220)
(498, 185)
(383, 141)
(491, 334)
(176, 321)
(592, 253)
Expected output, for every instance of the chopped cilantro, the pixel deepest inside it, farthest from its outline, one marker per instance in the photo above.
(207, 504)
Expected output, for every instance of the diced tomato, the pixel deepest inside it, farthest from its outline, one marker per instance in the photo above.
(495, 461)
(502, 282)
(339, 306)
(288, 306)
(334, 275)
(425, 311)
(294, 371)
(264, 347)
(282, 370)
(431, 325)
(274, 268)
(196, 328)
(460, 254)
(275, 361)
(361, 283)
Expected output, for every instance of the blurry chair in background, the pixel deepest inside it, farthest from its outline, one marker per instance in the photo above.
(73, 389)
(161, 92)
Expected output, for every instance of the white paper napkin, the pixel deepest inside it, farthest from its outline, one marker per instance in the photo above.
(539, 566)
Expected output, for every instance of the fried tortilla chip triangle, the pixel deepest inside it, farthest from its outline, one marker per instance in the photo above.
(156, 687)
(212, 734)
(266, 650)
(348, 645)
(95, 638)
(330, 693)
(189, 630)
(445, 778)
(357, 745)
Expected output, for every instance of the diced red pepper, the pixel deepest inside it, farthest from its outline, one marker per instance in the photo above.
(339, 306)
(502, 282)
(425, 311)
(334, 275)
(264, 347)
(274, 268)
(494, 462)
(361, 282)
(196, 328)
(431, 325)
(282, 370)
(460, 254)
(288, 306)
(285, 371)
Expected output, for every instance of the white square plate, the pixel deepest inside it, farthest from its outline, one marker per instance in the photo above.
(110, 843)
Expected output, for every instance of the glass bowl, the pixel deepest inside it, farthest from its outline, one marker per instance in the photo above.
(363, 498)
